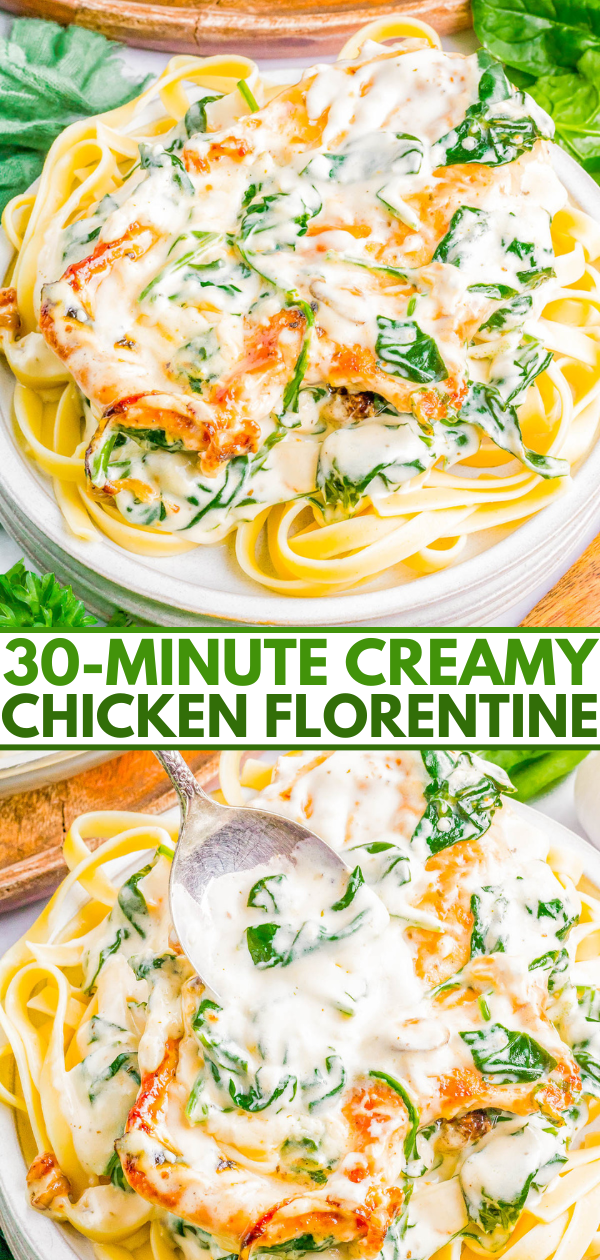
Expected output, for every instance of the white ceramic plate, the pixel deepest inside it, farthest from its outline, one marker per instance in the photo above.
(206, 586)
(32, 1236)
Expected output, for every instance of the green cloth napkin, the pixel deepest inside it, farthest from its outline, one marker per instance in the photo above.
(51, 76)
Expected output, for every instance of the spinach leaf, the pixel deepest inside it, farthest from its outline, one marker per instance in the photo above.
(467, 225)
(374, 153)
(223, 1053)
(512, 374)
(121, 935)
(410, 1141)
(124, 1062)
(573, 101)
(195, 118)
(556, 961)
(324, 1087)
(555, 909)
(114, 1170)
(589, 1068)
(196, 1109)
(488, 909)
(132, 902)
(485, 407)
(589, 1001)
(508, 317)
(493, 291)
(507, 1056)
(154, 157)
(538, 38)
(403, 349)
(500, 1216)
(555, 49)
(487, 135)
(397, 859)
(254, 1100)
(304, 1242)
(461, 799)
(354, 883)
(261, 895)
(311, 936)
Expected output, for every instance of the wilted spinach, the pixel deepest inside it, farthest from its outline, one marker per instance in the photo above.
(507, 1056)
(462, 799)
(403, 349)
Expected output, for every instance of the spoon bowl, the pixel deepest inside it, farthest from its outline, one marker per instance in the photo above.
(217, 840)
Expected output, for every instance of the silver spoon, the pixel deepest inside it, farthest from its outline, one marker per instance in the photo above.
(216, 840)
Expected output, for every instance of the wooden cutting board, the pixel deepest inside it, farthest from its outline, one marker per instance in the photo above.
(257, 28)
(33, 824)
(575, 600)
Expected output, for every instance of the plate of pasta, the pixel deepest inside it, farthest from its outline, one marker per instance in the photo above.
(402, 1061)
(304, 347)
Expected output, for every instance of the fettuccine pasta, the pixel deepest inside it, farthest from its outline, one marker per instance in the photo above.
(349, 321)
(408, 1071)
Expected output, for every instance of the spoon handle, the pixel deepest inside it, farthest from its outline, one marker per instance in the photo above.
(181, 777)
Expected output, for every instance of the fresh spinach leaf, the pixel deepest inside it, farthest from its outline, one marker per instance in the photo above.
(541, 37)
(507, 1056)
(553, 49)
(462, 799)
(403, 349)
(114, 1170)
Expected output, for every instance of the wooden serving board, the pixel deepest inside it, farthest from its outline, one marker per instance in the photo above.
(33, 824)
(257, 28)
(575, 600)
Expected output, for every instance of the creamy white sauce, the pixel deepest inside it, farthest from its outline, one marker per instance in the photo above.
(284, 219)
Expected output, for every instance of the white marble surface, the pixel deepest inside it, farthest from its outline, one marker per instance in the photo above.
(140, 62)
(558, 804)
